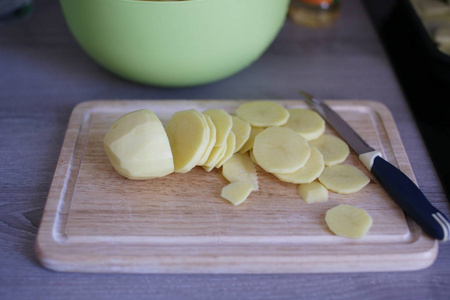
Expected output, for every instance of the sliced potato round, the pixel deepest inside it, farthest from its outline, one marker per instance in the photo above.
(216, 154)
(251, 139)
(333, 149)
(343, 179)
(263, 113)
(211, 140)
(308, 123)
(241, 130)
(223, 123)
(240, 168)
(313, 192)
(252, 156)
(231, 145)
(309, 172)
(137, 146)
(237, 192)
(280, 150)
(208, 168)
(188, 136)
(348, 221)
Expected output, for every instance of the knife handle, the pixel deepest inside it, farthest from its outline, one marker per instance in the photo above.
(411, 199)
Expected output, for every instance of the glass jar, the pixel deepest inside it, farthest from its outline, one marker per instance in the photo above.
(314, 13)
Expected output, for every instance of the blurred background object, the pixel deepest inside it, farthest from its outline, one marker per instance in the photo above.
(314, 13)
(14, 9)
(422, 69)
(178, 43)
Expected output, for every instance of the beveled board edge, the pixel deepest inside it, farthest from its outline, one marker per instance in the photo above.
(418, 253)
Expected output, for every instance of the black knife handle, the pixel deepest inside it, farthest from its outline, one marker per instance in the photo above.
(411, 199)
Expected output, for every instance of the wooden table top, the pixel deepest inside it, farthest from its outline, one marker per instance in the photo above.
(44, 74)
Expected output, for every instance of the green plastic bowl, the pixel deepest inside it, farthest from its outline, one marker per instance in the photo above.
(175, 43)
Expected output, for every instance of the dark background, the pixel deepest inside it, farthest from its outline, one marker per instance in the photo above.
(427, 92)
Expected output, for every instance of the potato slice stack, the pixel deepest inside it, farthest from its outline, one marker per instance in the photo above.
(299, 152)
(290, 144)
(188, 133)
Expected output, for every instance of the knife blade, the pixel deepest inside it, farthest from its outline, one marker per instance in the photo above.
(400, 188)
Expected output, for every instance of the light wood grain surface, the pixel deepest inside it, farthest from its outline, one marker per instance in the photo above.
(98, 221)
(44, 75)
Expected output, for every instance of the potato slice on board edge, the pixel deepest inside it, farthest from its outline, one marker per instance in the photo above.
(348, 221)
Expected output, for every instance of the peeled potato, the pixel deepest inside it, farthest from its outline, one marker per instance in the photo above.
(223, 123)
(240, 168)
(313, 192)
(211, 141)
(237, 192)
(348, 221)
(231, 145)
(251, 139)
(137, 146)
(333, 149)
(343, 179)
(263, 113)
(188, 135)
(280, 150)
(308, 123)
(309, 172)
(241, 130)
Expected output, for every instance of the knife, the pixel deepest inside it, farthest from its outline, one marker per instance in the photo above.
(401, 189)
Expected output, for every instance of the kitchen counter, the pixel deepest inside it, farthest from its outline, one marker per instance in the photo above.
(44, 74)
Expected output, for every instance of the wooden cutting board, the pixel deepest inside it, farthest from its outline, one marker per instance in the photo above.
(97, 221)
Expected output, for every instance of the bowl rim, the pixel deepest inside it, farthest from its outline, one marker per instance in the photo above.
(171, 2)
